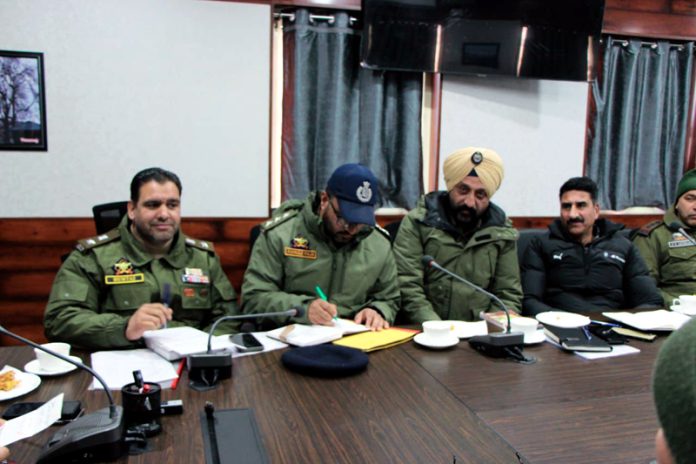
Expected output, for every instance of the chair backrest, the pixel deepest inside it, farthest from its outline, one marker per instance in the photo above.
(526, 236)
(108, 215)
(253, 235)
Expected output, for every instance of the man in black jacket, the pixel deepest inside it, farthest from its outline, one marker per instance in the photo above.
(583, 264)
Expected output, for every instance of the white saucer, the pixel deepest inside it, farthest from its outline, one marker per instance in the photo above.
(682, 309)
(436, 343)
(27, 383)
(537, 337)
(563, 319)
(34, 368)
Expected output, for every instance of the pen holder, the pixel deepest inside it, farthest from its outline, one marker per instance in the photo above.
(141, 408)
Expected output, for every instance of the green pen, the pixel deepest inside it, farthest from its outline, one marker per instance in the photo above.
(322, 295)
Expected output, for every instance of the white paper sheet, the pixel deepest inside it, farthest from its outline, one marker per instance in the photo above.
(116, 368)
(31, 423)
(617, 350)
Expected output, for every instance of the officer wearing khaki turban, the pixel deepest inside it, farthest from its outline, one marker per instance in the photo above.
(466, 234)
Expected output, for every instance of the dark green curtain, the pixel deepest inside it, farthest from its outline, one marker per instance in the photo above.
(336, 112)
(639, 133)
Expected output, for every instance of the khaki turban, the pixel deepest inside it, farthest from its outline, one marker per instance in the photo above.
(486, 163)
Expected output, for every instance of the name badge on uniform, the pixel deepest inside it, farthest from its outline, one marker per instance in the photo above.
(299, 248)
(124, 279)
(679, 244)
(679, 241)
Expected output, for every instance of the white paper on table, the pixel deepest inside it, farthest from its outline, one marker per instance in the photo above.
(116, 368)
(268, 343)
(617, 350)
(31, 423)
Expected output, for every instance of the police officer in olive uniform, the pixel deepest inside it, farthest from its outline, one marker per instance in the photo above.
(144, 275)
(466, 234)
(669, 254)
(326, 246)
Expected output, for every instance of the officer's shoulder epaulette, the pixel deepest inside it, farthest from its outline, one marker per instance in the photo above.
(290, 210)
(648, 228)
(200, 244)
(87, 244)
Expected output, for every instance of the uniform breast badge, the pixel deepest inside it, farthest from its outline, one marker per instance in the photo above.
(123, 274)
(679, 241)
(194, 275)
(299, 248)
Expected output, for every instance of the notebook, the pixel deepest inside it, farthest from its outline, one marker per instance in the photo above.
(309, 335)
(576, 339)
(646, 321)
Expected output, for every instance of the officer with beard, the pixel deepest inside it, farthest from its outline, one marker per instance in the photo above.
(583, 264)
(326, 254)
(466, 234)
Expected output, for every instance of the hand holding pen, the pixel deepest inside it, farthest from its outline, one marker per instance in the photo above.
(320, 311)
(150, 316)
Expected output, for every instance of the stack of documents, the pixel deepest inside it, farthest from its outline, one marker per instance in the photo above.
(180, 342)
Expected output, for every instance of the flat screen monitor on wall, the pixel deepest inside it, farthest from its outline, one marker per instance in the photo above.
(544, 39)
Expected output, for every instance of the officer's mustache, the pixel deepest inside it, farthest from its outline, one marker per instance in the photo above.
(577, 220)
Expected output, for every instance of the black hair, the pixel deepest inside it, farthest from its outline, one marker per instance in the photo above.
(159, 175)
(584, 184)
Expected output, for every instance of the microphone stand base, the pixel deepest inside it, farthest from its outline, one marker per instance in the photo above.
(206, 369)
(498, 344)
(91, 438)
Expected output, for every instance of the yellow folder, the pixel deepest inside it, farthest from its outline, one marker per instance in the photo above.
(373, 341)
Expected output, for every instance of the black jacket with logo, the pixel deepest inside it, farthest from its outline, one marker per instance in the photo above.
(559, 273)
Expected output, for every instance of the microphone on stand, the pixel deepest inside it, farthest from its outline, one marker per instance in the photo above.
(93, 437)
(678, 227)
(207, 368)
(499, 344)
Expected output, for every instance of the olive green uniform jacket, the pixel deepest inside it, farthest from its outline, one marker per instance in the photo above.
(670, 257)
(90, 305)
(293, 255)
(487, 257)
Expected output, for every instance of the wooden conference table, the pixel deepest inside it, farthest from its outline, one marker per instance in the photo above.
(412, 405)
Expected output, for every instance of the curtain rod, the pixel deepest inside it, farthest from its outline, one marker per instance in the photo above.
(313, 17)
(653, 45)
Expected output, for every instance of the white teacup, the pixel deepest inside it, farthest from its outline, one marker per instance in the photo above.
(50, 363)
(526, 325)
(688, 301)
(437, 329)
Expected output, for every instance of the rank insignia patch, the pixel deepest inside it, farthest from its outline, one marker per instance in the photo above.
(299, 243)
(122, 267)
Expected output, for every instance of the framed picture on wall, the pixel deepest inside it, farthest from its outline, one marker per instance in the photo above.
(22, 101)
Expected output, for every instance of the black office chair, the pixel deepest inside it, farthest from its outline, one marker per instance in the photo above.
(108, 215)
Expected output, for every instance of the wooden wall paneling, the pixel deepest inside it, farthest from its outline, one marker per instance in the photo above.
(649, 25)
(30, 257)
